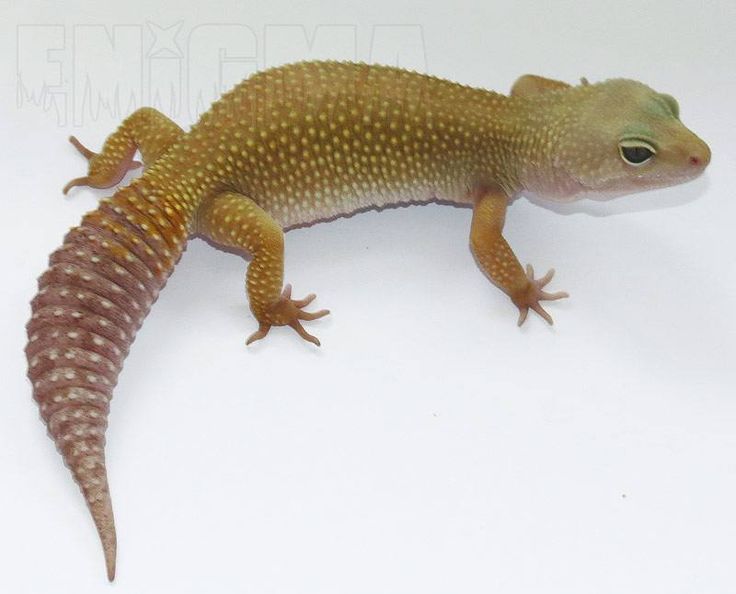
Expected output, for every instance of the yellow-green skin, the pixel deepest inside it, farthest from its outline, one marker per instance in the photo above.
(299, 144)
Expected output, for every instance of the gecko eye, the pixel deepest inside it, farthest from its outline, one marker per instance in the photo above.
(636, 152)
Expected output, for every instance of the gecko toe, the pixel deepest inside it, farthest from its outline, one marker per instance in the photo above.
(77, 181)
(303, 333)
(541, 311)
(309, 316)
(304, 302)
(83, 150)
(258, 334)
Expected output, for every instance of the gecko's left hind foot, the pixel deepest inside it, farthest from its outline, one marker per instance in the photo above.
(105, 169)
(288, 312)
(533, 294)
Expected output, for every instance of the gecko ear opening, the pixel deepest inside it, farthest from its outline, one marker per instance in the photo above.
(530, 84)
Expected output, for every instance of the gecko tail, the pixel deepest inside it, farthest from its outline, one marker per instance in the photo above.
(92, 299)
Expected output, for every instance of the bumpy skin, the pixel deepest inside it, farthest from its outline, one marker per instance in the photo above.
(299, 144)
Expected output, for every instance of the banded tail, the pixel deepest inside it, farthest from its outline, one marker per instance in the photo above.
(92, 299)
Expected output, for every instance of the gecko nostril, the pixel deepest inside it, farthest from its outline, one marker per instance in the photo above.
(700, 156)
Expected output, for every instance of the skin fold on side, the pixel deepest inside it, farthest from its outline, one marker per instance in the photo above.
(309, 142)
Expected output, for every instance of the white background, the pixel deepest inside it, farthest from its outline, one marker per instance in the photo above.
(430, 445)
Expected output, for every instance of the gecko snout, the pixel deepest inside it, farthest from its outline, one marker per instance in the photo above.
(699, 155)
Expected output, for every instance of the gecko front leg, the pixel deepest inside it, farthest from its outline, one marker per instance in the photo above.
(497, 259)
(236, 221)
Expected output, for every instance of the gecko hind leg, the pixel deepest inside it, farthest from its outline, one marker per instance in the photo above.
(146, 130)
(236, 221)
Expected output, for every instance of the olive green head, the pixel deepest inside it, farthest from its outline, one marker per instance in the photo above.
(619, 137)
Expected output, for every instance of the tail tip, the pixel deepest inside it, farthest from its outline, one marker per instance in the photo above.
(110, 562)
(104, 520)
(109, 548)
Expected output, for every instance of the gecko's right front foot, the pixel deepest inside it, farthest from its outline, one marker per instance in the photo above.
(532, 294)
(288, 312)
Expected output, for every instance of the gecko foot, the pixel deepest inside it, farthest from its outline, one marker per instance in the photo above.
(104, 171)
(288, 312)
(532, 294)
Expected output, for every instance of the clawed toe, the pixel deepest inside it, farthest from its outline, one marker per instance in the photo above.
(309, 316)
(543, 313)
(304, 302)
(258, 334)
(85, 152)
(524, 312)
(304, 334)
(554, 296)
(77, 181)
(541, 282)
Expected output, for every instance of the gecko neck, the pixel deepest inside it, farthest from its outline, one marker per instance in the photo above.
(521, 141)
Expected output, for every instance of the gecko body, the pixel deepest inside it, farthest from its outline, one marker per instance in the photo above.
(308, 142)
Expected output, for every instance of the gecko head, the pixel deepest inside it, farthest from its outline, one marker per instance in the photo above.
(621, 136)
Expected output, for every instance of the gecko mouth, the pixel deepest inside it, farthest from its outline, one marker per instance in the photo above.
(621, 187)
(664, 181)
